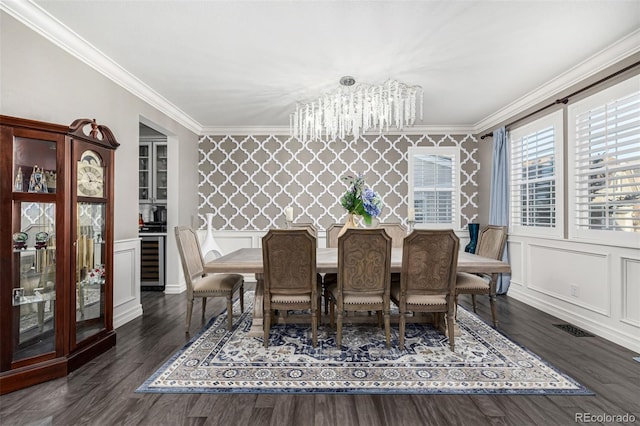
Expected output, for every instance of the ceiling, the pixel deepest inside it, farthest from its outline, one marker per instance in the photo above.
(226, 64)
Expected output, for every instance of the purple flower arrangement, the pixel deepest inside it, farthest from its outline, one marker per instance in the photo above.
(361, 200)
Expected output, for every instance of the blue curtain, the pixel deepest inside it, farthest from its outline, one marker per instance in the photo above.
(499, 201)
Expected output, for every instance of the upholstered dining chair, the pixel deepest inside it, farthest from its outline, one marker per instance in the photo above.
(202, 284)
(330, 279)
(428, 278)
(491, 242)
(310, 227)
(397, 232)
(332, 234)
(364, 265)
(289, 260)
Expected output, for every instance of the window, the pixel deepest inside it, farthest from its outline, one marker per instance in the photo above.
(605, 176)
(536, 176)
(434, 186)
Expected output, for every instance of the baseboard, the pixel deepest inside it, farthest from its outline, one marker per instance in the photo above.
(175, 288)
(626, 340)
(121, 317)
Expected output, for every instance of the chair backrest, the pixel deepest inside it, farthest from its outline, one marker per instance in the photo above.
(364, 261)
(491, 241)
(429, 262)
(310, 227)
(289, 259)
(190, 254)
(332, 234)
(396, 231)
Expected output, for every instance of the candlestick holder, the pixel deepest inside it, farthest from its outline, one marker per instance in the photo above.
(289, 222)
(411, 225)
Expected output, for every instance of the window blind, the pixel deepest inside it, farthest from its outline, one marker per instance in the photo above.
(533, 184)
(434, 186)
(607, 166)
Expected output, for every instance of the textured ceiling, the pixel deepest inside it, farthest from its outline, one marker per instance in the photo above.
(246, 63)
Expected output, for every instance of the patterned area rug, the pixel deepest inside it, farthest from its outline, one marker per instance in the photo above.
(484, 362)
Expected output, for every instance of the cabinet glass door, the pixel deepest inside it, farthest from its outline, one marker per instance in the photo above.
(161, 172)
(34, 166)
(144, 173)
(34, 280)
(90, 267)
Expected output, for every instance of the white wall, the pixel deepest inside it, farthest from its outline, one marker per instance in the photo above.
(605, 278)
(40, 81)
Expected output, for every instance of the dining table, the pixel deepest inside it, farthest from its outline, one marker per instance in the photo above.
(249, 261)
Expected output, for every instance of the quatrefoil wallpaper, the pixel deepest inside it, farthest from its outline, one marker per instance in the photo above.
(247, 181)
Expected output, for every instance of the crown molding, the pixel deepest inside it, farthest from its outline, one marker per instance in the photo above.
(285, 130)
(40, 21)
(607, 57)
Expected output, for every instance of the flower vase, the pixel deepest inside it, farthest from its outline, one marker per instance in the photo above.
(209, 246)
(473, 237)
(350, 223)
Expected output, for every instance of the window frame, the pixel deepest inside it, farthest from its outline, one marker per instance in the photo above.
(596, 236)
(556, 121)
(454, 153)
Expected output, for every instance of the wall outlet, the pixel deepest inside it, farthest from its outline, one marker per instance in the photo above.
(575, 290)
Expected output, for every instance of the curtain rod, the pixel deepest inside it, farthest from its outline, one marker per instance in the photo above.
(565, 100)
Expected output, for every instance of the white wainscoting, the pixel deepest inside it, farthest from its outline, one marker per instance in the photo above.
(126, 281)
(594, 287)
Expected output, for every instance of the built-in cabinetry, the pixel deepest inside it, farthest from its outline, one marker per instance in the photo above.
(153, 171)
(56, 248)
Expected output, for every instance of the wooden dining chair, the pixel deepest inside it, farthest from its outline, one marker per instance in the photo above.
(201, 284)
(428, 278)
(289, 259)
(491, 242)
(332, 234)
(330, 279)
(397, 232)
(364, 265)
(310, 227)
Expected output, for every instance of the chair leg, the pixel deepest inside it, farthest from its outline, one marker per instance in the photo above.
(473, 301)
(456, 302)
(387, 327)
(332, 313)
(267, 325)
(314, 326)
(230, 311)
(242, 296)
(319, 306)
(339, 331)
(204, 307)
(189, 311)
(494, 313)
(450, 328)
(401, 329)
(325, 291)
(379, 313)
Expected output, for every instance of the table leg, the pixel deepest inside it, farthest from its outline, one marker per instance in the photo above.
(257, 327)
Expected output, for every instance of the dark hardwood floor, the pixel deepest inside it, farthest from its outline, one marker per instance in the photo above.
(102, 392)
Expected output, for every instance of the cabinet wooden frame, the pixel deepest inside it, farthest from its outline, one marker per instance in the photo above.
(67, 353)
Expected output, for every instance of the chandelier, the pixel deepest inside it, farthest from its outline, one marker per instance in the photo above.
(354, 110)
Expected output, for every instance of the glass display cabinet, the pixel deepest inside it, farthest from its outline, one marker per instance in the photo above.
(56, 248)
(152, 174)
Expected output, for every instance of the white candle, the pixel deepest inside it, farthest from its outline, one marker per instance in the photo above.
(288, 213)
(411, 215)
